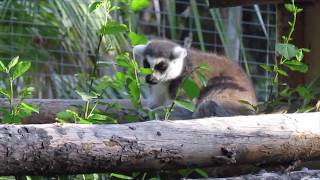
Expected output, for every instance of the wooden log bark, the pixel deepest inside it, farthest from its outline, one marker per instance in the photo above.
(154, 145)
(230, 3)
(303, 174)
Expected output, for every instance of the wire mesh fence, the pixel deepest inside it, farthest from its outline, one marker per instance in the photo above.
(59, 37)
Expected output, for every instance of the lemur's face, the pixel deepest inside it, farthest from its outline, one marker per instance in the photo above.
(165, 58)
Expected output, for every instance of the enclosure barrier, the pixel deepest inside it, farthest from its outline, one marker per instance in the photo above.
(47, 149)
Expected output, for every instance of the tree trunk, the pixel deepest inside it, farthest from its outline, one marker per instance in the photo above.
(153, 145)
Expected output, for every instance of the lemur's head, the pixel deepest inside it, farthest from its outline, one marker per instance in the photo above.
(165, 58)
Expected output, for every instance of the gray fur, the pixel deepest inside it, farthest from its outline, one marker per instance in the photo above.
(228, 83)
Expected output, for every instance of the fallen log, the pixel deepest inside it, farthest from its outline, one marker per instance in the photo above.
(76, 148)
(303, 174)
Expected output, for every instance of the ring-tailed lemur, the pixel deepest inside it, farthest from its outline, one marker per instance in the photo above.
(227, 82)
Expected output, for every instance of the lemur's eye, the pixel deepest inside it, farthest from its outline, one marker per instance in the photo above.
(146, 64)
(162, 66)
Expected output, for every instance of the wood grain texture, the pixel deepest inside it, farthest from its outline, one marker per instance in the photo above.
(230, 3)
(154, 145)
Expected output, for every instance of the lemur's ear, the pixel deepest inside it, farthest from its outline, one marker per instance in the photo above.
(139, 49)
(179, 52)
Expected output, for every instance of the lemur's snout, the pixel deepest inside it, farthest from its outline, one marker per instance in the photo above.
(150, 79)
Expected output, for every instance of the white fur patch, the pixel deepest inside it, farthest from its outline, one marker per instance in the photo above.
(176, 65)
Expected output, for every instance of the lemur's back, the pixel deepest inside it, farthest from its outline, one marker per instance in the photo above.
(227, 84)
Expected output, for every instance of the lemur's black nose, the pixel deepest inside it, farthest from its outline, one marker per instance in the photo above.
(151, 79)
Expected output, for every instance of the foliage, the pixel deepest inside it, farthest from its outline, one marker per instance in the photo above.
(291, 59)
(19, 110)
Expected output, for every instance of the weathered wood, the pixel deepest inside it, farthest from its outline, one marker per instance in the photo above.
(153, 145)
(303, 174)
(230, 3)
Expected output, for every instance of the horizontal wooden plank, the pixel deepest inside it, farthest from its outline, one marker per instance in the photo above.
(230, 3)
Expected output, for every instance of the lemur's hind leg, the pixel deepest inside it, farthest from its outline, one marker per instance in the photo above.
(209, 108)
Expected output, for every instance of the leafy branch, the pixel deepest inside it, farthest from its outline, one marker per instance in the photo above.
(17, 111)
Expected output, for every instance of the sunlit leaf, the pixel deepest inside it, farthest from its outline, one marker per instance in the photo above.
(290, 7)
(137, 5)
(120, 176)
(137, 39)
(282, 72)
(145, 71)
(287, 50)
(86, 96)
(4, 92)
(84, 121)
(65, 116)
(202, 78)
(30, 107)
(3, 67)
(189, 105)
(95, 5)
(266, 67)
(191, 88)
(112, 27)
(296, 65)
(13, 62)
(20, 69)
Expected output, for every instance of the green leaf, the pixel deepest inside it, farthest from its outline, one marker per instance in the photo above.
(3, 67)
(120, 77)
(202, 78)
(186, 104)
(84, 121)
(26, 92)
(201, 172)
(86, 96)
(20, 69)
(134, 92)
(305, 92)
(137, 39)
(290, 7)
(242, 101)
(285, 92)
(146, 71)
(102, 118)
(300, 55)
(204, 67)
(4, 92)
(95, 5)
(299, 10)
(137, 5)
(112, 27)
(266, 67)
(30, 107)
(296, 65)
(287, 50)
(185, 172)
(191, 88)
(123, 60)
(65, 116)
(114, 8)
(282, 72)
(305, 49)
(13, 62)
(120, 176)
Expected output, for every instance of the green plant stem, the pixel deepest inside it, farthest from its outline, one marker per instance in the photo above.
(93, 72)
(287, 39)
(11, 98)
(169, 110)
